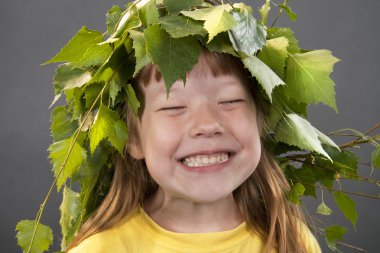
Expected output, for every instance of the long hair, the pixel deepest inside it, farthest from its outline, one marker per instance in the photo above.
(261, 199)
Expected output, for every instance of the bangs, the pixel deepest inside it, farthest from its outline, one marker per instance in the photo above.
(218, 64)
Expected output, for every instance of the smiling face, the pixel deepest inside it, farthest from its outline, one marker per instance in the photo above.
(203, 141)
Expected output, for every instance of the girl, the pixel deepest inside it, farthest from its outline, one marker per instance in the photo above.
(196, 176)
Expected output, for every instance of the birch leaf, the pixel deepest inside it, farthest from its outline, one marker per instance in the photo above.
(264, 75)
(43, 237)
(108, 125)
(308, 77)
(217, 19)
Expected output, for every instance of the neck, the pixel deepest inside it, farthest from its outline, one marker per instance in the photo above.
(183, 216)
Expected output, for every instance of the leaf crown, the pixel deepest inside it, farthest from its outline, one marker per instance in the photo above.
(96, 75)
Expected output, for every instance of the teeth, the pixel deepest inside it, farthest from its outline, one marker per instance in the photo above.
(205, 160)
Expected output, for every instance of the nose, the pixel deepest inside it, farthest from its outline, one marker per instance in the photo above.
(206, 123)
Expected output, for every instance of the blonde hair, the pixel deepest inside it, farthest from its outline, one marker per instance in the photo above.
(261, 199)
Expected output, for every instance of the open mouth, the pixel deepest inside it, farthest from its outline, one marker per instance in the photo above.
(206, 160)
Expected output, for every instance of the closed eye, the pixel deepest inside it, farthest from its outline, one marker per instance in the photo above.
(172, 108)
(233, 101)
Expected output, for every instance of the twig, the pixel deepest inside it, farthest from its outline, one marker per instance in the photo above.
(341, 243)
(336, 190)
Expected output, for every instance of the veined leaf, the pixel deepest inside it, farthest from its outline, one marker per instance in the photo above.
(95, 56)
(323, 209)
(175, 6)
(181, 26)
(297, 131)
(67, 77)
(174, 57)
(142, 56)
(119, 63)
(77, 46)
(217, 19)
(58, 153)
(333, 234)
(42, 240)
(296, 192)
(264, 75)
(277, 32)
(62, 126)
(221, 44)
(71, 208)
(248, 36)
(289, 12)
(264, 10)
(115, 88)
(347, 206)
(375, 157)
(148, 13)
(112, 17)
(274, 54)
(306, 176)
(129, 19)
(108, 125)
(133, 102)
(307, 77)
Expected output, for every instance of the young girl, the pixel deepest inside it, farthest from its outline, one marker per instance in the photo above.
(196, 176)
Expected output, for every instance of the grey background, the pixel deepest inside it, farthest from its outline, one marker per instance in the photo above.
(33, 31)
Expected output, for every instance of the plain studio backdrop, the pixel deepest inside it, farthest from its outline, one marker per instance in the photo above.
(34, 31)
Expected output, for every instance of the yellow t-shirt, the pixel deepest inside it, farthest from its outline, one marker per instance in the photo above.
(138, 233)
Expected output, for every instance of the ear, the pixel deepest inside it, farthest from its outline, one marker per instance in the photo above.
(135, 151)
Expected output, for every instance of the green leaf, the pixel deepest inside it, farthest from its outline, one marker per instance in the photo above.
(217, 19)
(129, 19)
(66, 77)
(133, 102)
(174, 57)
(77, 46)
(289, 12)
(108, 125)
(142, 56)
(115, 88)
(58, 153)
(333, 234)
(264, 75)
(297, 131)
(264, 10)
(181, 26)
(95, 56)
(347, 206)
(175, 6)
(323, 209)
(296, 192)
(276, 32)
(71, 208)
(345, 162)
(306, 176)
(121, 63)
(375, 157)
(42, 240)
(248, 36)
(307, 77)
(221, 44)
(112, 17)
(274, 54)
(62, 126)
(148, 13)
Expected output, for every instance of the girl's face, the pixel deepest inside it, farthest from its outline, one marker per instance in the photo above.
(203, 141)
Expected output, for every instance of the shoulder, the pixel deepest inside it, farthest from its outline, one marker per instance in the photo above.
(311, 242)
(115, 239)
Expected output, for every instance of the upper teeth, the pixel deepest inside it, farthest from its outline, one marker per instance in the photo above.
(204, 160)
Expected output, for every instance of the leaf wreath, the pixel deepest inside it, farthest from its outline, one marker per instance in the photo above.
(95, 78)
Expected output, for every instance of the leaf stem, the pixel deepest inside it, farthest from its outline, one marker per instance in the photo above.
(343, 191)
(279, 12)
(76, 134)
(321, 232)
